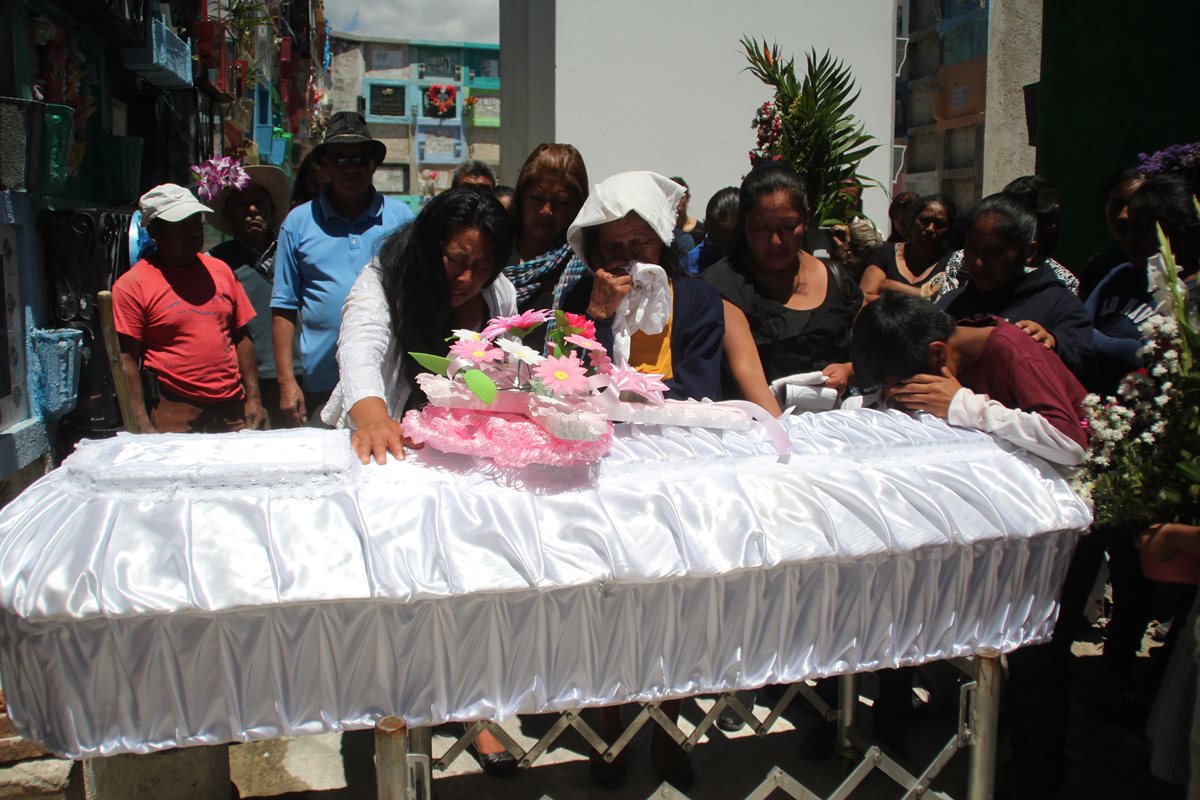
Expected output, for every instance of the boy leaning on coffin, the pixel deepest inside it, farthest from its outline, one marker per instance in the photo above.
(986, 374)
(181, 316)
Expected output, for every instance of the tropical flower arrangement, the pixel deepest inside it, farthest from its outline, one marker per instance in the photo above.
(1144, 464)
(217, 174)
(494, 396)
(808, 126)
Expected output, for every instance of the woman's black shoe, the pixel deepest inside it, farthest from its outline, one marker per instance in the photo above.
(498, 765)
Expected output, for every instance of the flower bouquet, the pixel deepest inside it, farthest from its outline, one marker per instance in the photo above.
(494, 396)
(1144, 464)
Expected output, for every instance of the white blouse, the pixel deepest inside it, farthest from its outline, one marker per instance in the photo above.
(370, 359)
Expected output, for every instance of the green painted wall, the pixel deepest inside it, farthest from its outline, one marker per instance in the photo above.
(1118, 78)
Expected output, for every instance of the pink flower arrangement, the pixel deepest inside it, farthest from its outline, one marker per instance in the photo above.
(600, 361)
(479, 352)
(217, 174)
(520, 324)
(581, 341)
(562, 375)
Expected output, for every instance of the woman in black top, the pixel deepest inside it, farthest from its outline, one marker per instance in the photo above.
(913, 266)
(786, 312)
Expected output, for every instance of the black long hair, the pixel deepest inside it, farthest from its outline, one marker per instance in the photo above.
(1042, 198)
(763, 180)
(414, 277)
(1017, 221)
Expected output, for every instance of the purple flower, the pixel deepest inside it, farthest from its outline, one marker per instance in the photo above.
(217, 174)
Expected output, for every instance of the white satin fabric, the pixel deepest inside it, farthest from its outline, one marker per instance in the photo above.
(172, 590)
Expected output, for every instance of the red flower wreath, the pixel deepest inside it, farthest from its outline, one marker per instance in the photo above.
(441, 97)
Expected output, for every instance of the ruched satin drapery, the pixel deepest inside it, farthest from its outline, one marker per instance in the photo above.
(161, 591)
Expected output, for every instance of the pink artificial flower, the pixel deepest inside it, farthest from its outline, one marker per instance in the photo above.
(479, 352)
(562, 375)
(600, 361)
(523, 322)
(579, 340)
(582, 324)
(625, 378)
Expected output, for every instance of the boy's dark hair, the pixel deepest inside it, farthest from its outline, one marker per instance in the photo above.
(892, 337)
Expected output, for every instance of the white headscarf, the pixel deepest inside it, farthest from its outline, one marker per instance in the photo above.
(655, 199)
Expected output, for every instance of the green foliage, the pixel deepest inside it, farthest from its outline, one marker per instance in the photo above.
(435, 364)
(481, 385)
(818, 136)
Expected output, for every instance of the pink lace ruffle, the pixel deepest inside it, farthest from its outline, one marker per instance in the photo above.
(511, 440)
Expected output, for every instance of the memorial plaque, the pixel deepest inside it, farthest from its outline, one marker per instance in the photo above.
(439, 65)
(488, 105)
(388, 101)
(438, 145)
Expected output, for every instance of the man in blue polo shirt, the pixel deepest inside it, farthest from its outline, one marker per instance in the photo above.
(323, 244)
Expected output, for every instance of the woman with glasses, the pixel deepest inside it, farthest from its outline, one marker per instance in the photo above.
(551, 187)
(913, 266)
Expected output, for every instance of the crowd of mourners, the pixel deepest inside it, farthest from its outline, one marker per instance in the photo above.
(307, 314)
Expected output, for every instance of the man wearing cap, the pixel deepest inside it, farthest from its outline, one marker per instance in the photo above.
(252, 216)
(323, 245)
(181, 316)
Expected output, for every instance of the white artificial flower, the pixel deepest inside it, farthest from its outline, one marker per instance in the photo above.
(464, 335)
(521, 352)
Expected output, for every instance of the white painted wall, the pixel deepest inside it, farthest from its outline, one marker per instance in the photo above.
(661, 85)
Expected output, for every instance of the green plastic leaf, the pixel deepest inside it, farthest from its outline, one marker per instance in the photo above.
(435, 364)
(481, 385)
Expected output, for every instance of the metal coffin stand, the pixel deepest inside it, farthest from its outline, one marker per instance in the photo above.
(405, 764)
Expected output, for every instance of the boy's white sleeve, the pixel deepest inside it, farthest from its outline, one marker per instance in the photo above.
(1025, 429)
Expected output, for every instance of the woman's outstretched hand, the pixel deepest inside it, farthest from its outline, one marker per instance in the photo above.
(378, 438)
(376, 433)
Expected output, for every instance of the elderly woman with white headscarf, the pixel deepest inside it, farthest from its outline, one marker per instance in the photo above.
(647, 310)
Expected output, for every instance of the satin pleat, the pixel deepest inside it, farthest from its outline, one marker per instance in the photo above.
(163, 591)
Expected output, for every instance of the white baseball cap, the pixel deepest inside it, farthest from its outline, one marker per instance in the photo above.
(170, 203)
